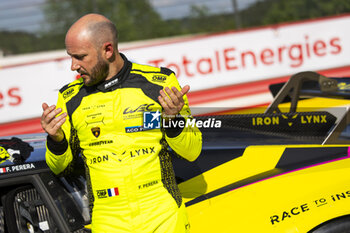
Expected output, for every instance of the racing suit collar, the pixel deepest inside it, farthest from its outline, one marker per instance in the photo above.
(118, 79)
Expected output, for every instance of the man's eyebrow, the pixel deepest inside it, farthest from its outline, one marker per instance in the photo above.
(76, 54)
(71, 54)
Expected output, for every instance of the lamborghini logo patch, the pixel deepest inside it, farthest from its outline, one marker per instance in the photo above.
(96, 131)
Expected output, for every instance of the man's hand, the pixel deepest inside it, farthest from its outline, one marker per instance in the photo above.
(173, 102)
(52, 123)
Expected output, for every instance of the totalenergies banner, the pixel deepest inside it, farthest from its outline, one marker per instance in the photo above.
(203, 62)
(245, 56)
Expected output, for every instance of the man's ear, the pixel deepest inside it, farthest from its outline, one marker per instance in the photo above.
(108, 50)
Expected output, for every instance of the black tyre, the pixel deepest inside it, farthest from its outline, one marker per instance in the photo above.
(340, 225)
(2, 219)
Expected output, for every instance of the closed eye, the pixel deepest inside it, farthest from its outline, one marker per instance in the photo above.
(79, 57)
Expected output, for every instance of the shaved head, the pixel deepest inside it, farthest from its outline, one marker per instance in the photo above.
(102, 32)
(96, 29)
(92, 44)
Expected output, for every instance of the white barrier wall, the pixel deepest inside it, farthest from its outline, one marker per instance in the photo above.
(202, 62)
(24, 88)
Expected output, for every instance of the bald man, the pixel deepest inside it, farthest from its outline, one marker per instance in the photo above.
(129, 173)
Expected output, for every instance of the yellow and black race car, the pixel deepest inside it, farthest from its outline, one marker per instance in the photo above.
(284, 168)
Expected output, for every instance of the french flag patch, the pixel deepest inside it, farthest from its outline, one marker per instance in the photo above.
(113, 192)
(3, 170)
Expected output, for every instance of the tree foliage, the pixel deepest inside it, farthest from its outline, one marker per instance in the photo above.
(284, 10)
(277, 11)
(17, 42)
(135, 19)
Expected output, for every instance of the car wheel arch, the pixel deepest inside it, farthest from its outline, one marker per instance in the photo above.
(336, 225)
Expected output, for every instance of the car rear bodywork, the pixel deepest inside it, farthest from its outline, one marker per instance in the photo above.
(283, 168)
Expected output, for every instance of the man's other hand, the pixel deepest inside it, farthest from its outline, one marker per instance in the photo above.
(51, 123)
(172, 99)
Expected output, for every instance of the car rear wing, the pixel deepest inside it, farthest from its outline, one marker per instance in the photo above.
(311, 84)
(307, 84)
(327, 126)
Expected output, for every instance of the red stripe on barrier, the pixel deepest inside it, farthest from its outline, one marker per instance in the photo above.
(232, 91)
(21, 127)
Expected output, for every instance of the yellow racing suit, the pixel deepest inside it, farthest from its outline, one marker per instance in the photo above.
(129, 172)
